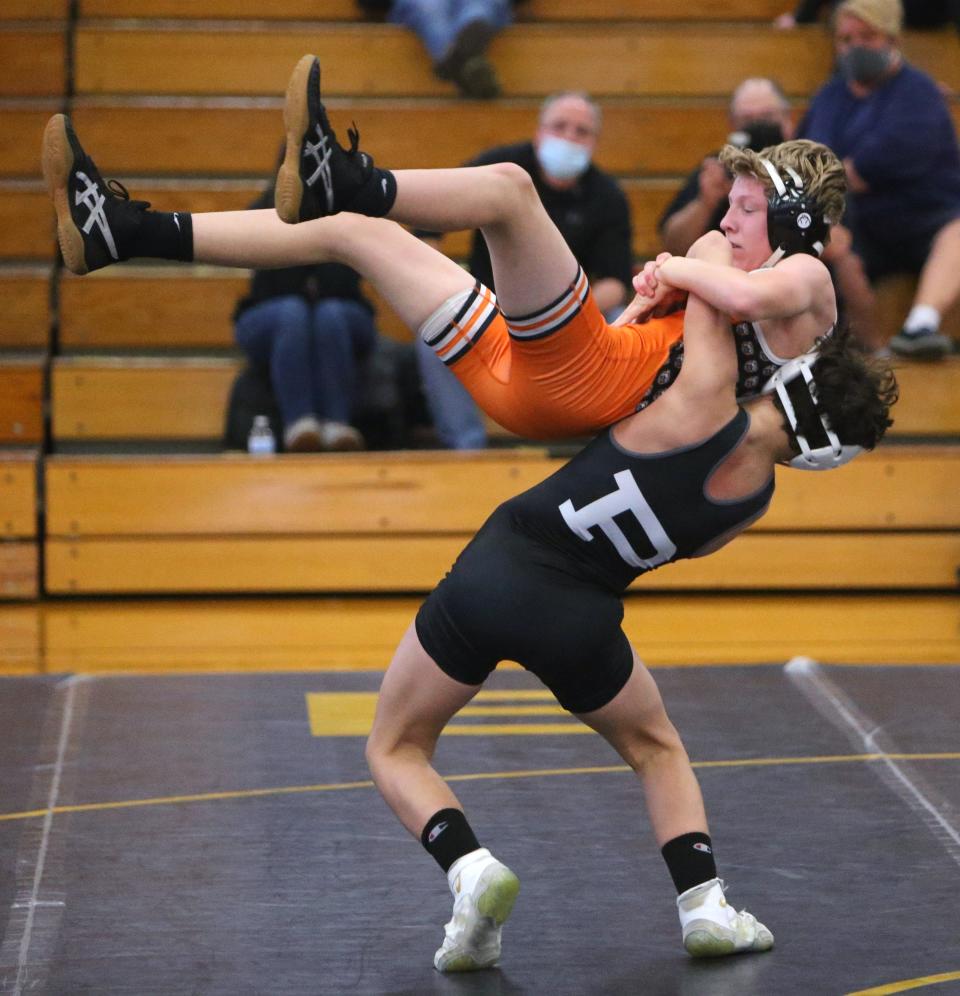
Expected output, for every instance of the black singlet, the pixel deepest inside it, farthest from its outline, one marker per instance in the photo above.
(541, 582)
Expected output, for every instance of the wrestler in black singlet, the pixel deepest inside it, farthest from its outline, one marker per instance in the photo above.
(541, 582)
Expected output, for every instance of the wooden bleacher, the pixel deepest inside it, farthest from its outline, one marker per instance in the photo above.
(235, 524)
(229, 57)
(140, 399)
(27, 226)
(25, 315)
(21, 399)
(19, 544)
(34, 10)
(348, 10)
(34, 59)
(156, 308)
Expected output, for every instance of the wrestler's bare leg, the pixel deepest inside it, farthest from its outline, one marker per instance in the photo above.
(414, 278)
(532, 264)
(636, 724)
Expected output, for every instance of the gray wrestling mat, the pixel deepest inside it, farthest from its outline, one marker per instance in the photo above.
(217, 834)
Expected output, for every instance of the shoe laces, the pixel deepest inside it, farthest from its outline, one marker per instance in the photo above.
(353, 133)
(120, 192)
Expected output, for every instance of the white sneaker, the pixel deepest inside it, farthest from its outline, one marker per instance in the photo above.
(339, 437)
(303, 436)
(712, 928)
(484, 891)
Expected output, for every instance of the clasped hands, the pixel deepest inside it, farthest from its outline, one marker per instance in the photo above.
(654, 295)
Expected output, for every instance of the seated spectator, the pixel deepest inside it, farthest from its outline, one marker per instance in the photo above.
(311, 328)
(589, 208)
(890, 125)
(917, 14)
(759, 116)
(456, 34)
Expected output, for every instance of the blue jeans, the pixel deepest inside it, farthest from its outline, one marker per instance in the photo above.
(311, 351)
(438, 22)
(455, 416)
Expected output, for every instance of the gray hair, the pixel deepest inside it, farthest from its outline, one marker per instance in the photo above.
(754, 81)
(580, 95)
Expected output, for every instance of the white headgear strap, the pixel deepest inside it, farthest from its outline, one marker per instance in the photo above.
(835, 454)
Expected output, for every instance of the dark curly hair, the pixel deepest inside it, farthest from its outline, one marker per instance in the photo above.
(854, 393)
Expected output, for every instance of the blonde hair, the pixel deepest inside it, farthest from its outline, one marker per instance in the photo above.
(884, 15)
(820, 170)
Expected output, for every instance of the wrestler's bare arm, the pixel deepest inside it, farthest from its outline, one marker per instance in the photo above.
(796, 285)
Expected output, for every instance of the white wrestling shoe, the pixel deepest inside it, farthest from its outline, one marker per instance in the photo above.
(711, 928)
(484, 891)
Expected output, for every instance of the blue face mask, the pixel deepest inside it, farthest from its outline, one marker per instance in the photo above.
(562, 160)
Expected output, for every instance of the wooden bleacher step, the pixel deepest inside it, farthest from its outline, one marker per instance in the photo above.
(22, 121)
(27, 222)
(347, 10)
(21, 399)
(141, 399)
(35, 10)
(25, 315)
(394, 522)
(157, 308)
(360, 634)
(34, 58)
(19, 546)
(622, 59)
(157, 136)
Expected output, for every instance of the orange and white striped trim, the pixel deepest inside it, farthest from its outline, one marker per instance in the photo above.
(470, 322)
(555, 315)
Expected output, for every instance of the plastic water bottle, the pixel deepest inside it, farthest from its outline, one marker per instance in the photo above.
(261, 440)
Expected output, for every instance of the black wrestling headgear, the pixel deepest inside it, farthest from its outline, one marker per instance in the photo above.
(794, 221)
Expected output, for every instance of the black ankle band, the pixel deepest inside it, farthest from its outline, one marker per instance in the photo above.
(447, 837)
(690, 860)
(163, 235)
(376, 196)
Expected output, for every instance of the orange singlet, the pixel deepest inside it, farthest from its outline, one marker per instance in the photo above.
(561, 372)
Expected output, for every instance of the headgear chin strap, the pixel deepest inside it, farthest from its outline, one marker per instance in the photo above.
(835, 453)
(793, 224)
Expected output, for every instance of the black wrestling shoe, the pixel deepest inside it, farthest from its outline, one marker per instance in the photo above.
(318, 177)
(95, 220)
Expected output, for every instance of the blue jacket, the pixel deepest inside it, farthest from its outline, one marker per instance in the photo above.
(902, 142)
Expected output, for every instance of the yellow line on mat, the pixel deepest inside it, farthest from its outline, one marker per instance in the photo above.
(900, 987)
(171, 800)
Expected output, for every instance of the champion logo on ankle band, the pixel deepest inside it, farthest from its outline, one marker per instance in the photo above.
(700, 846)
(436, 831)
(91, 198)
(321, 153)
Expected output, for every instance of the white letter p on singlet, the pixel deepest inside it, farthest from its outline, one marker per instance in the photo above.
(627, 498)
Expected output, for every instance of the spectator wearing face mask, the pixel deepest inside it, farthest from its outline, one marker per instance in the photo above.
(889, 124)
(589, 208)
(759, 116)
(917, 14)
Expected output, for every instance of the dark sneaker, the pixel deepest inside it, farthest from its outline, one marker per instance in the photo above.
(923, 345)
(466, 64)
(95, 220)
(478, 79)
(473, 40)
(318, 177)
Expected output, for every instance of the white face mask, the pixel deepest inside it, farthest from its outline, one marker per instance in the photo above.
(562, 160)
